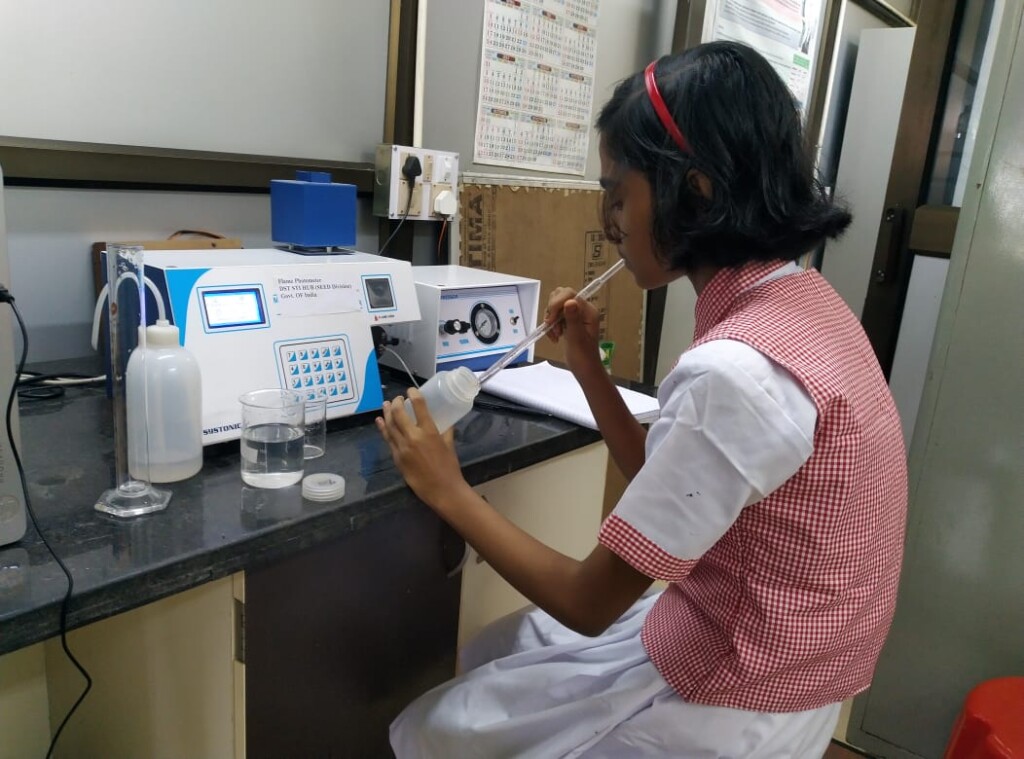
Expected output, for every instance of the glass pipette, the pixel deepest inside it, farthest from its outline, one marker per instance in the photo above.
(544, 327)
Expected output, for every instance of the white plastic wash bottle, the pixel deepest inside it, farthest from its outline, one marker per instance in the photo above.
(449, 396)
(164, 408)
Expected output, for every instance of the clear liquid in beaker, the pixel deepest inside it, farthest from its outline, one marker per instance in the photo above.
(272, 455)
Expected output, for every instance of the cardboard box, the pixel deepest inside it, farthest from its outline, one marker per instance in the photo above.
(175, 242)
(554, 235)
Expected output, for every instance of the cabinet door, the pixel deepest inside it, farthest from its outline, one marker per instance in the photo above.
(559, 502)
(24, 720)
(339, 638)
(162, 680)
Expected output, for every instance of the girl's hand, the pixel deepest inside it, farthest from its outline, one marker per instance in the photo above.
(578, 322)
(425, 458)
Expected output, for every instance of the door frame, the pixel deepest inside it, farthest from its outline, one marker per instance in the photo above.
(930, 63)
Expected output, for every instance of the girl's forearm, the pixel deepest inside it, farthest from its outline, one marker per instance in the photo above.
(565, 588)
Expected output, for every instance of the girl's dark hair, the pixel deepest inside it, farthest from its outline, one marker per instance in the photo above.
(743, 126)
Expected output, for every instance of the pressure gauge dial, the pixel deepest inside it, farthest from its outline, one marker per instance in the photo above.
(486, 325)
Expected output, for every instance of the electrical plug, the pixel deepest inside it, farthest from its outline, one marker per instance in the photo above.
(412, 168)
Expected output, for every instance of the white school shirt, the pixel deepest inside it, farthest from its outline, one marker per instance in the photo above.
(734, 426)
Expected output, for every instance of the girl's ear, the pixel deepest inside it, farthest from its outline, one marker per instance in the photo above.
(699, 183)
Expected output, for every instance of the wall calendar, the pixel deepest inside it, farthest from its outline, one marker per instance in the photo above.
(536, 84)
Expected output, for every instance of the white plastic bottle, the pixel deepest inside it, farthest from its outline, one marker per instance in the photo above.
(449, 396)
(167, 431)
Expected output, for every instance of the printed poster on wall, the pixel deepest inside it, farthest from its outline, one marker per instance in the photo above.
(536, 84)
(784, 31)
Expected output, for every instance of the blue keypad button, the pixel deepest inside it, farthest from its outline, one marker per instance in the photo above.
(318, 366)
(464, 341)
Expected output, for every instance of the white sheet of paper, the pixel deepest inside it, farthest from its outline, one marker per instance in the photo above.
(554, 390)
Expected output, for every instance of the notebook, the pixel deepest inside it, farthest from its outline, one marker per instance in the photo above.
(555, 391)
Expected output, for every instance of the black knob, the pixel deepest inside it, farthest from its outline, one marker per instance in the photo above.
(455, 327)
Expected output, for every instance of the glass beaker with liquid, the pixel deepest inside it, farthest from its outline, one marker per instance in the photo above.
(272, 438)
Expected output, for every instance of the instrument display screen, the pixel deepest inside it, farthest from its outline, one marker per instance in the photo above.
(378, 293)
(233, 308)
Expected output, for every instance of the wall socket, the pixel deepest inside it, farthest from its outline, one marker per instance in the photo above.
(393, 193)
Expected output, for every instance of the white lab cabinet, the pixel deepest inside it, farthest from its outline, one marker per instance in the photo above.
(559, 502)
(167, 680)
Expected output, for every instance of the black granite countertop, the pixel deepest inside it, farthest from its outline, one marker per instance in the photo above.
(214, 525)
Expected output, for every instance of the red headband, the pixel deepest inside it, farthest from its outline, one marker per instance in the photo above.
(662, 110)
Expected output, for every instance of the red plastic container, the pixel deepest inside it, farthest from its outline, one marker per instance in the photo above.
(991, 723)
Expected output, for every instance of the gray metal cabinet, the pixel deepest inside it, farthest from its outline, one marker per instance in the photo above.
(960, 617)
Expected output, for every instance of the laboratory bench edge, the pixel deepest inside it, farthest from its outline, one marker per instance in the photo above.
(215, 525)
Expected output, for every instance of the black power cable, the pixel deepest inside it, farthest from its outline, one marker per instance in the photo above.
(6, 297)
(410, 170)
